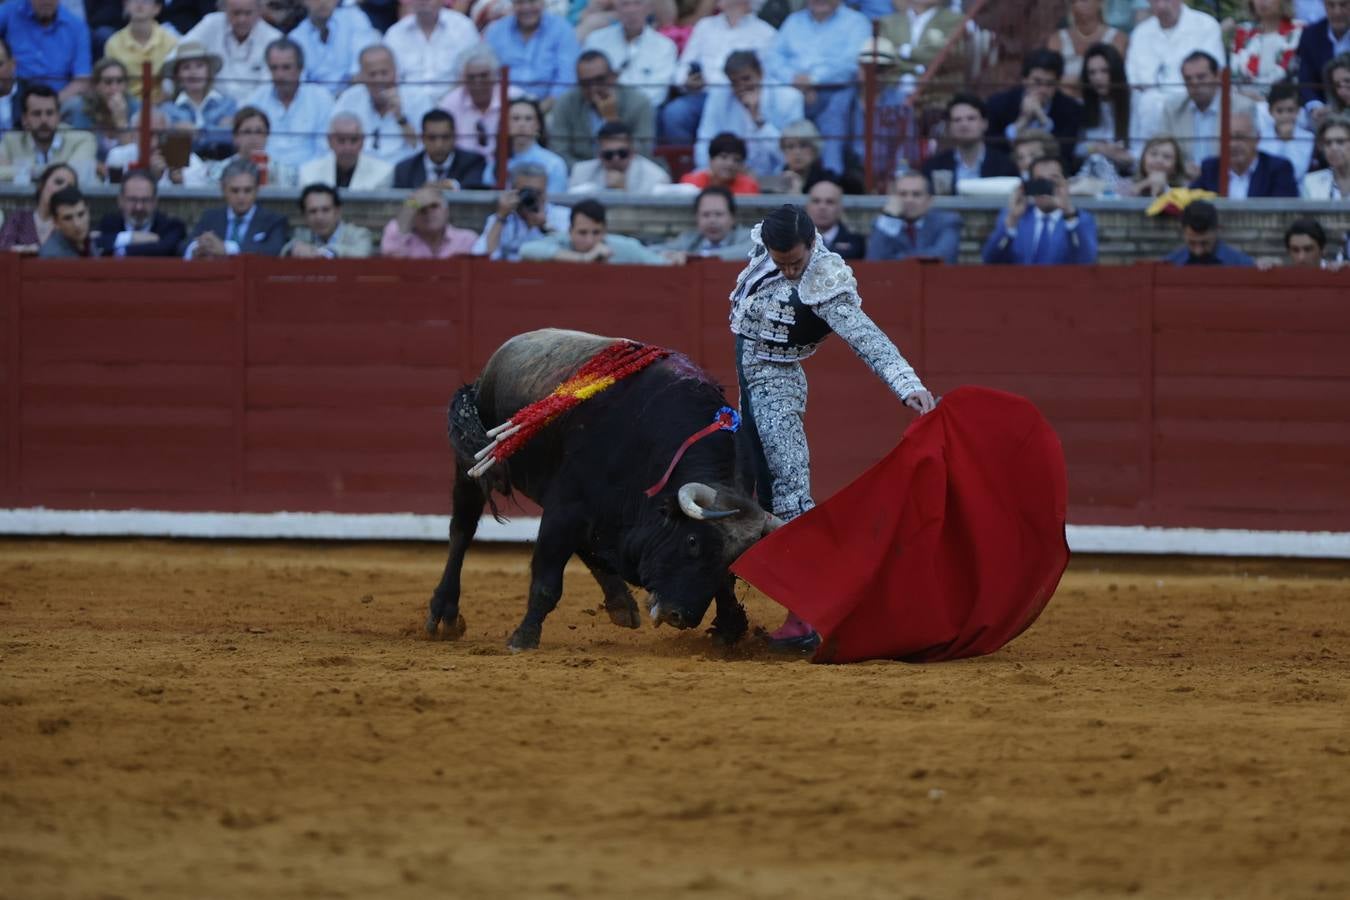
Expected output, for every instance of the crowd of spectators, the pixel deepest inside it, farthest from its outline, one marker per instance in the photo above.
(716, 98)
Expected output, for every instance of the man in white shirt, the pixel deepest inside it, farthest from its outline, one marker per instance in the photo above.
(426, 45)
(753, 111)
(331, 37)
(1194, 119)
(386, 111)
(703, 61)
(644, 59)
(239, 37)
(1158, 47)
(347, 167)
(296, 113)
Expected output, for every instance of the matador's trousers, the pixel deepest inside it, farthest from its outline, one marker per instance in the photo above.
(773, 449)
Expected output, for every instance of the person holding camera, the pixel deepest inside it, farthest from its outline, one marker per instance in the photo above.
(523, 214)
(1042, 226)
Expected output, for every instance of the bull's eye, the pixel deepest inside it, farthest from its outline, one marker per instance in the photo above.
(691, 545)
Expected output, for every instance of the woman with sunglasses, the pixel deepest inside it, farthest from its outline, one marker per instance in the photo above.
(107, 109)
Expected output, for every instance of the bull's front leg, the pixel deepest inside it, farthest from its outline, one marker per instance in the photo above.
(619, 602)
(558, 530)
(729, 624)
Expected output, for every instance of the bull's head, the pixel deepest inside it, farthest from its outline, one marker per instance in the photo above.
(686, 554)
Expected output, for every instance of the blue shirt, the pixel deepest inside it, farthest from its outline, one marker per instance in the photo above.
(552, 163)
(332, 63)
(546, 64)
(1224, 255)
(873, 9)
(297, 133)
(779, 105)
(826, 51)
(53, 53)
(212, 121)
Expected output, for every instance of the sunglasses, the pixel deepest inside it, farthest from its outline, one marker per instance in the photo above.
(482, 133)
(610, 155)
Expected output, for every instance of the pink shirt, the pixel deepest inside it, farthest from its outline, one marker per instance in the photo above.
(475, 131)
(458, 242)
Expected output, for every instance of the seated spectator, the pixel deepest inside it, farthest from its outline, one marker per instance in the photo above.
(726, 167)
(702, 64)
(751, 110)
(181, 15)
(50, 45)
(598, 99)
(800, 145)
(238, 38)
(1037, 103)
(197, 105)
(331, 36)
(475, 104)
(1336, 86)
(715, 234)
(191, 171)
(919, 34)
(1305, 242)
(44, 140)
(815, 52)
(385, 109)
(107, 111)
(825, 207)
(1031, 145)
(540, 48)
(9, 88)
(251, 132)
(1162, 166)
(1333, 142)
(422, 229)
(439, 163)
(138, 228)
(70, 237)
(283, 15)
(523, 214)
(1086, 29)
(617, 166)
(427, 44)
(297, 114)
(1050, 231)
(525, 128)
(1265, 48)
(346, 165)
(909, 227)
(142, 40)
(1282, 136)
(241, 225)
(1194, 119)
(324, 235)
(969, 157)
(587, 240)
(1320, 42)
(892, 116)
(1251, 172)
(26, 230)
(1107, 119)
(1158, 47)
(644, 59)
(1202, 247)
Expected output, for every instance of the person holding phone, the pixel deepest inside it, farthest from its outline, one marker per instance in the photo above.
(1042, 226)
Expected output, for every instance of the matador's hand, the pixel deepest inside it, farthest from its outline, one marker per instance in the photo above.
(921, 402)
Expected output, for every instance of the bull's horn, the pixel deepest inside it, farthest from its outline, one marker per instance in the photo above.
(696, 502)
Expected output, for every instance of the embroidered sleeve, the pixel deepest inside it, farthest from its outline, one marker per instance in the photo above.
(857, 329)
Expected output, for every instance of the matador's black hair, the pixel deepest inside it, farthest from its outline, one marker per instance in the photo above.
(786, 227)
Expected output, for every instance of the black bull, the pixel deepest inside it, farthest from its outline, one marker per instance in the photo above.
(588, 470)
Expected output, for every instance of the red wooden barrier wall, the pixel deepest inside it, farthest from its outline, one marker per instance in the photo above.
(1183, 397)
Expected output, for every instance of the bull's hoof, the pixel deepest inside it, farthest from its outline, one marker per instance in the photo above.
(729, 626)
(521, 642)
(625, 616)
(728, 637)
(449, 631)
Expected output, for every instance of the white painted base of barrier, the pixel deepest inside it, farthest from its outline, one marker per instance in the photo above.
(411, 527)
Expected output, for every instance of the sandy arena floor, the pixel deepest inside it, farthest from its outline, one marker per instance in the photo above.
(184, 720)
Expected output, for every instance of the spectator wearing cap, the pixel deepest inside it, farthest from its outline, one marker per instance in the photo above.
(1037, 103)
(540, 48)
(598, 99)
(1158, 47)
(918, 34)
(297, 113)
(715, 234)
(1305, 242)
(1042, 227)
(44, 140)
(427, 45)
(331, 36)
(386, 110)
(241, 225)
(198, 105)
(1321, 42)
(347, 165)
(138, 228)
(475, 102)
(1251, 172)
(800, 146)
(969, 156)
(70, 238)
(439, 163)
(617, 166)
(1201, 245)
(324, 235)
(726, 167)
(422, 229)
(643, 58)
(142, 40)
(890, 111)
(238, 37)
(50, 45)
(750, 110)
(1333, 142)
(909, 227)
(588, 240)
(812, 53)
(825, 207)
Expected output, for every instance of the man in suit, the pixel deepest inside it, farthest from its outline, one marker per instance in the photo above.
(1319, 43)
(139, 228)
(1038, 103)
(1251, 173)
(439, 163)
(909, 227)
(716, 234)
(969, 156)
(241, 225)
(324, 235)
(44, 140)
(825, 206)
(348, 165)
(1202, 247)
(1050, 231)
(598, 96)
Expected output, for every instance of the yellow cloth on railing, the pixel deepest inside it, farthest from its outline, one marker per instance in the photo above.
(1177, 199)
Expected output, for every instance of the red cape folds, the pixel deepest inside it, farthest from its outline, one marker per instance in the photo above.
(949, 547)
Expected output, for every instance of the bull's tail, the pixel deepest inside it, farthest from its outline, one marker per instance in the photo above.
(468, 435)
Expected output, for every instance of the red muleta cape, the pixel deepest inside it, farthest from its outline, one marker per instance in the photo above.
(949, 547)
